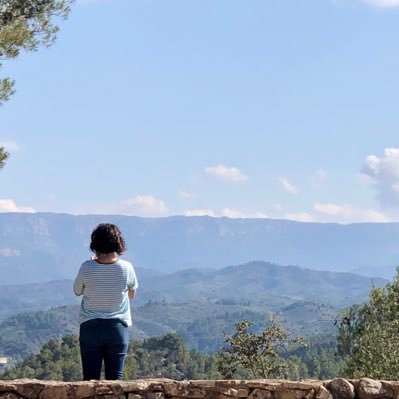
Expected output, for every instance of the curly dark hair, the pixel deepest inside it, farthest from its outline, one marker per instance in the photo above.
(106, 238)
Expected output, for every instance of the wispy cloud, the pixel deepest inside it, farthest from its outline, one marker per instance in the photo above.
(382, 3)
(199, 212)
(348, 213)
(140, 205)
(236, 214)
(226, 173)
(288, 186)
(9, 145)
(186, 195)
(8, 205)
(383, 173)
(319, 179)
(225, 212)
(8, 252)
(338, 213)
(330, 209)
(147, 205)
(300, 217)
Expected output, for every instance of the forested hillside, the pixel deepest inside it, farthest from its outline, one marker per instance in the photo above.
(168, 356)
(200, 324)
(256, 282)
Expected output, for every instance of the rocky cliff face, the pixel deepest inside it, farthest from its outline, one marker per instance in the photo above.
(45, 246)
(364, 388)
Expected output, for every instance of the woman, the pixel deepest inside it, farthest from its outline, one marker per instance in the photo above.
(106, 283)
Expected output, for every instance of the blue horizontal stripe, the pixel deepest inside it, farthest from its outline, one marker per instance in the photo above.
(105, 290)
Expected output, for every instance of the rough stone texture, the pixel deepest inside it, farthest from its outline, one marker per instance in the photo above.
(323, 393)
(258, 393)
(155, 395)
(292, 393)
(372, 389)
(339, 388)
(10, 395)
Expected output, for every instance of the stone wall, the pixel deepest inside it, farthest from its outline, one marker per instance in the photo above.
(224, 389)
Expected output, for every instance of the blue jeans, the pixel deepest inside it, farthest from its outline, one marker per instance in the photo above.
(103, 339)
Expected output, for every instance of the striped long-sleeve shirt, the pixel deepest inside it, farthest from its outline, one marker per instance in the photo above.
(105, 290)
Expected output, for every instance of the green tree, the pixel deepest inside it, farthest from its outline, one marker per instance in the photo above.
(3, 155)
(59, 359)
(257, 354)
(25, 25)
(368, 335)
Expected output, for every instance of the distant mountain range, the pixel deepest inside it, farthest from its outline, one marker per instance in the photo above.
(254, 282)
(45, 246)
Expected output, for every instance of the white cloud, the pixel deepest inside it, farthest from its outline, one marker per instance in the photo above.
(141, 205)
(235, 214)
(8, 252)
(8, 205)
(319, 179)
(347, 213)
(288, 186)
(371, 215)
(335, 210)
(199, 212)
(186, 195)
(226, 173)
(145, 205)
(338, 213)
(300, 217)
(9, 145)
(383, 172)
(225, 212)
(382, 3)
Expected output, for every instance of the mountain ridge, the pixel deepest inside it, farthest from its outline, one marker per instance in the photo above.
(256, 281)
(48, 246)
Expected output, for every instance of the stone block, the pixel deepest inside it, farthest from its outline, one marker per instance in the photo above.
(101, 389)
(372, 389)
(134, 396)
(30, 388)
(135, 386)
(6, 386)
(323, 393)
(10, 395)
(83, 390)
(56, 391)
(155, 395)
(310, 384)
(341, 389)
(258, 393)
(242, 393)
(290, 393)
(264, 384)
(177, 389)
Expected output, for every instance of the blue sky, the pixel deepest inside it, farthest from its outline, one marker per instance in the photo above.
(249, 108)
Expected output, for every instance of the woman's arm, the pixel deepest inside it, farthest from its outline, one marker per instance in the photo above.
(78, 284)
(131, 294)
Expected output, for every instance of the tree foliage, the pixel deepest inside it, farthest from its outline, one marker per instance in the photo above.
(25, 25)
(257, 354)
(368, 335)
(164, 356)
(3, 155)
(58, 359)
